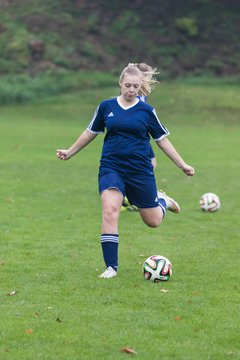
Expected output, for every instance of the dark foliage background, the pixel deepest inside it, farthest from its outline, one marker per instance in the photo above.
(179, 37)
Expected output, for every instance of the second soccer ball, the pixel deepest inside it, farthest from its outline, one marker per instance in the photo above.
(209, 202)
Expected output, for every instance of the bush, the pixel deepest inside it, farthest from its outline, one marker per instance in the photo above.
(25, 88)
(187, 25)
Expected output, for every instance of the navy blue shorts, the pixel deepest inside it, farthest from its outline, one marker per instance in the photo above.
(141, 190)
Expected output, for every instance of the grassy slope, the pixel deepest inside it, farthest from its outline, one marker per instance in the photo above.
(182, 38)
(50, 224)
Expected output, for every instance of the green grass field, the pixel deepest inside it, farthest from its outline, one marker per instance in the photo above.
(50, 236)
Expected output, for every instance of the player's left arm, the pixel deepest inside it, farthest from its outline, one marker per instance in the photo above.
(167, 147)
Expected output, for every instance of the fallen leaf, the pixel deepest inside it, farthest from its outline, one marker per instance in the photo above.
(12, 293)
(128, 350)
(10, 200)
(164, 290)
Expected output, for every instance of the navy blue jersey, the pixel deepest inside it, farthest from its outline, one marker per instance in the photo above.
(128, 131)
(151, 152)
(142, 97)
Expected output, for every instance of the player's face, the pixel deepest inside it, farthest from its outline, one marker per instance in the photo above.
(130, 86)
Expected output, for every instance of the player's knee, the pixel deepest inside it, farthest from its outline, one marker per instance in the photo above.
(110, 213)
(154, 223)
(152, 220)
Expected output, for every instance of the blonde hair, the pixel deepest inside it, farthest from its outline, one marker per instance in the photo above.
(148, 79)
(130, 70)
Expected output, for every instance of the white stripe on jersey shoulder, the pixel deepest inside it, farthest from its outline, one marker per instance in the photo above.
(154, 112)
(93, 119)
(89, 128)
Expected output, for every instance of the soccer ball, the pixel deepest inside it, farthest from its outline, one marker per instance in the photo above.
(157, 268)
(209, 202)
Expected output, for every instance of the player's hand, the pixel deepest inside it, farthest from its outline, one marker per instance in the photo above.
(188, 170)
(63, 154)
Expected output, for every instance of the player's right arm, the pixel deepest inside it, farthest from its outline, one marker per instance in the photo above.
(84, 139)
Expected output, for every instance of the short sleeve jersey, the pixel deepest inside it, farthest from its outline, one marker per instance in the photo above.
(128, 131)
(151, 152)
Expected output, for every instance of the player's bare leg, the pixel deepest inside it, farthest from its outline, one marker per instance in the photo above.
(152, 216)
(111, 205)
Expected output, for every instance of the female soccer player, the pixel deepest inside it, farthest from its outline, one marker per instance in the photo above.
(148, 83)
(125, 165)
